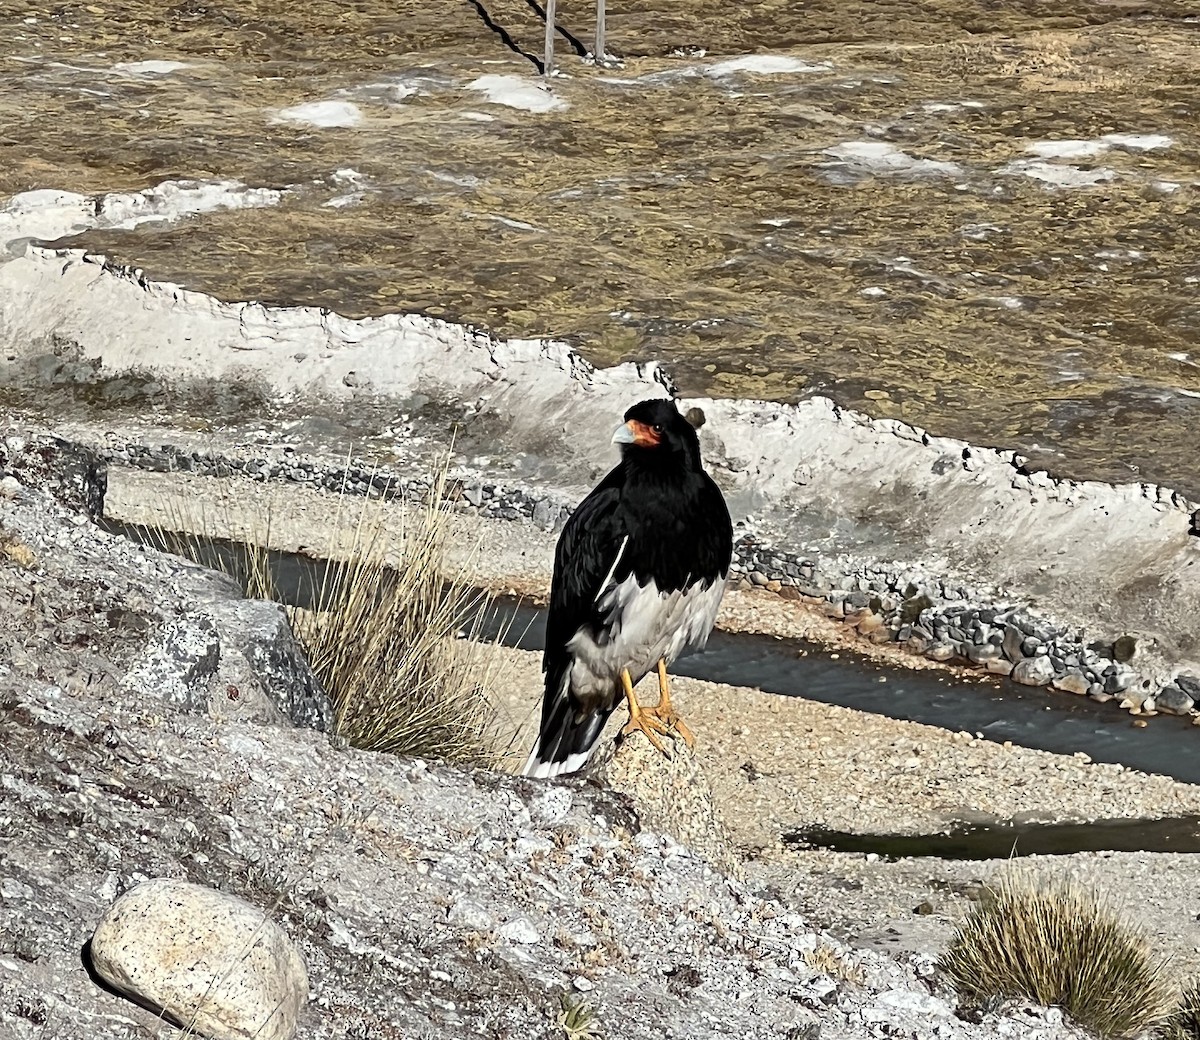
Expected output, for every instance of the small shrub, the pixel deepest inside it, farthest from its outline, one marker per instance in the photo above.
(578, 1019)
(16, 551)
(384, 639)
(1054, 944)
(828, 961)
(1184, 1023)
(384, 628)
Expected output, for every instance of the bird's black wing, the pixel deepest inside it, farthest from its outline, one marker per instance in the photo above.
(589, 546)
(587, 553)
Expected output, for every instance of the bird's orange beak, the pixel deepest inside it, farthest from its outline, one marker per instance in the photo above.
(634, 432)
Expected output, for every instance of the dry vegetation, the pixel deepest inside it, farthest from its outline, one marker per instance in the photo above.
(1055, 944)
(828, 961)
(384, 639)
(16, 551)
(1184, 1023)
(389, 629)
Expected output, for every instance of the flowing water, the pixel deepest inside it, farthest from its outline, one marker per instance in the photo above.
(979, 218)
(1006, 840)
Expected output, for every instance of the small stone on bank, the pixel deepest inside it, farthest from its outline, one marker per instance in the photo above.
(1033, 671)
(520, 930)
(1173, 700)
(209, 960)
(1073, 682)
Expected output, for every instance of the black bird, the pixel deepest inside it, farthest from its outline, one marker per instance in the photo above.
(639, 573)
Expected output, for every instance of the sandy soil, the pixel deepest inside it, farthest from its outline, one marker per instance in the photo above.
(776, 764)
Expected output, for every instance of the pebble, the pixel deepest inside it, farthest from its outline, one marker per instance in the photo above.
(520, 930)
(1072, 682)
(209, 960)
(1012, 643)
(12, 889)
(1118, 681)
(470, 915)
(1189, 685)
(1173, 700)
(982, 654)
(1033, 671)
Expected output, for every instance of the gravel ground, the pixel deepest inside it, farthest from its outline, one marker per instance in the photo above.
(816, 764)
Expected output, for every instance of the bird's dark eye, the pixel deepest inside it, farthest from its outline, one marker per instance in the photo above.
(656, 428)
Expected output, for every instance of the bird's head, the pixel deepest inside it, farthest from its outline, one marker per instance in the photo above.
(655, 431)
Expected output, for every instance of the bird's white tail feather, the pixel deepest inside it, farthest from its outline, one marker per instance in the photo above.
(535, 767)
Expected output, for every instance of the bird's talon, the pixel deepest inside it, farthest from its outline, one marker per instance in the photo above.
(644, 722)
(671, 723)
(681, 728)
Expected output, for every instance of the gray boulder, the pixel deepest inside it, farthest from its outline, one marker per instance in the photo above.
(233, 658)
(73, 475)
(1033, 671)
(1173, 700)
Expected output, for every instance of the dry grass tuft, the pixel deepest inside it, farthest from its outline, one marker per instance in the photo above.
(1184, 1023)
(825, 959)
(16, 551)
(390, 630)
(384, 638)
(1057, 945)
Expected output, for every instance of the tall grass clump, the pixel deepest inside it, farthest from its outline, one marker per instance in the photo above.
(1056, 945)
(389, 627)
(385, 636)
(1184, 1023)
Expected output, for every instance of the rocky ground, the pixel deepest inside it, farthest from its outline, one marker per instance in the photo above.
(430, 901)
(986, 195)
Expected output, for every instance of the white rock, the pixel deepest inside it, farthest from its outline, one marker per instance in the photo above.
(1034, 671)
(151, 67)
(11, 888)
(517, 92)
(520, 930)
(766, 65)
(469, 914)
(321, 114)
(1066, 149)
(208, 960)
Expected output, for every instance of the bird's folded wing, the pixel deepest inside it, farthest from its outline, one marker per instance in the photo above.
(590, 558)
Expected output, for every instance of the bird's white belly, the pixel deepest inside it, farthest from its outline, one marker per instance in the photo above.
(645, 626)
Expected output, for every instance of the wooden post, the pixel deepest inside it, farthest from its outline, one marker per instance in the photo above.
(599, 51)
(548, 57)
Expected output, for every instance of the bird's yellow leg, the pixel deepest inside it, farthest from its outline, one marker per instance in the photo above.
(641, 719)
(664, 709)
